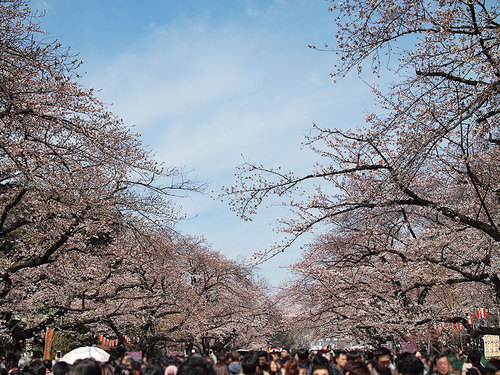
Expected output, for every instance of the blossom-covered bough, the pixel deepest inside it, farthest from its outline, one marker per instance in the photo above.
(408, 206)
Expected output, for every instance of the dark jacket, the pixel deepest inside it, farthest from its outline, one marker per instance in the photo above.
(335, 370)
(476, 369)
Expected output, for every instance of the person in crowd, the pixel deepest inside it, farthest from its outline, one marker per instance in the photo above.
(422, 359)
(381, 362)
(60, 368)
(48, 366)
(263, 366)
(35, 367)
(356, 368)
(369, 359)
(275, 356)
(442, 365)
(274, 367)
(320, 369)
(23, 362)
(195, 366)
(250, 364)
(409, 364)
(220, 368)
(121, 370)
(196, 352)
(303, 359)
(354, 355)
(339, 362)
(106, 369)
(285, 355)
(88, 366)
(474, 358)
(212, 356)
(466, 365)
(234, 363)
(291, 367)
(319, 359)
(151, 370)
(493, 367)
(429, 363)
(329, 355)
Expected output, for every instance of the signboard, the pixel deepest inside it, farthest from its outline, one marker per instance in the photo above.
(409, 347)
(491, 346)
(387, 345)
(136, 356)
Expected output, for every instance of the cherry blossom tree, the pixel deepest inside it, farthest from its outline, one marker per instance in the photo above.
(73, 180)
(86, 219)
(205, 299)
(229, 306)
(162, 289)
(408, 205)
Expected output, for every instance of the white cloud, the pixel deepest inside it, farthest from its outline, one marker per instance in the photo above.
(204, 95)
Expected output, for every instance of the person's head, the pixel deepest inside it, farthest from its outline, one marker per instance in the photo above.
(250, 363)
(262, 359)
(493, 367)
(135, 366)
(382, 359)
(290, 367)
(196, 352)
(234, 356)
(48, 364)
(319, 359)
(172, 370)
(356, 368)
(409, 364)
(443, 365)
(302, 355)
(354, 355)
(320, 370)
(221, 359)
(341, 358)
(151, 370)
(285, 352)
(474, 356)
(195, 366)
(35, 367)
(274, 366)
(88, 366)
(60, 368)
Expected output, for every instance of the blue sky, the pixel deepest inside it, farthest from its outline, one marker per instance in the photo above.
(207, 83)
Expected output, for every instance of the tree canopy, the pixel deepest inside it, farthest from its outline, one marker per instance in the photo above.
(407, 207)
(86, 215)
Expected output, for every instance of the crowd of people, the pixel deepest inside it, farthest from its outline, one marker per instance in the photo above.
(286, 362)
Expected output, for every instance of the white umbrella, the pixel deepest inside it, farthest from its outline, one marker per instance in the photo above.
(85, 352)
